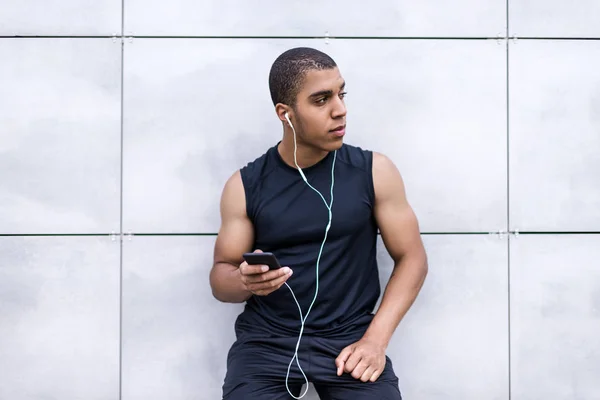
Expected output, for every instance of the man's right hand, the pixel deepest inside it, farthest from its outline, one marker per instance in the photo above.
(259, 281)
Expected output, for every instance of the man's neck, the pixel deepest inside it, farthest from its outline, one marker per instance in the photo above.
(306, 156)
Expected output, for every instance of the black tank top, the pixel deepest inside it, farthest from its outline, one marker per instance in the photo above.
(290, 219)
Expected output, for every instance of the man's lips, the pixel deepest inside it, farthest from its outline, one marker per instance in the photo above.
(339, 129)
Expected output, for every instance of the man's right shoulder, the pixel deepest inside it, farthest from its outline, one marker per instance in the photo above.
(233, 186)
(245, 176)
(256, 169)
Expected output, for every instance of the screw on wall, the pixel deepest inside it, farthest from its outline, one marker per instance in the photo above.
(326, 37)
(114, 236)
(500, 38)
(501, 234)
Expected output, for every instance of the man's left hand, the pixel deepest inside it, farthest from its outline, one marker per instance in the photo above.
(365, 360)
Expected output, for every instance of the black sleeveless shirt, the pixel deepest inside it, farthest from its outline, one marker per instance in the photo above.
(290, 219)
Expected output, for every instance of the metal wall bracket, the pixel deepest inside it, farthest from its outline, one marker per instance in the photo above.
(114, 236)
(500, 38)
(502, 234)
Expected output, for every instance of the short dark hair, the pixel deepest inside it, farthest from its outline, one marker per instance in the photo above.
(289, 69)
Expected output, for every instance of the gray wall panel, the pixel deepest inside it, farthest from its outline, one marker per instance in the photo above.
(185, 134)
(555, 136)
(444, 127)
(554, 18)
(175, 334)
(59, 318)
(555, 317)
(60, 135)
(60, 17)
(195, 111)
(315, 18)
(453, 343)
(175, 331)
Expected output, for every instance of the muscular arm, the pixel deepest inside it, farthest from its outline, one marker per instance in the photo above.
(236, 236)
(365, 359)
(400, 233)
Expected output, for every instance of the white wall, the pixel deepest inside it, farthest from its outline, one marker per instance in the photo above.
(119, 124)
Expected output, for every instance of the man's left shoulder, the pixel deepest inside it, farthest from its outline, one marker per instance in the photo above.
(386, 177)
(383, 165)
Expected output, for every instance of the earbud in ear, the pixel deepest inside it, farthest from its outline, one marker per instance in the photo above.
(287, 117)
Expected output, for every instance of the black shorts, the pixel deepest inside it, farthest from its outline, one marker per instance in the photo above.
(257, 368)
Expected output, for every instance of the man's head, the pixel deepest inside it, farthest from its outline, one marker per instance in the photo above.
(307, 84)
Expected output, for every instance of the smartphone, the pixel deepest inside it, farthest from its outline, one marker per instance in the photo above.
(262, 259)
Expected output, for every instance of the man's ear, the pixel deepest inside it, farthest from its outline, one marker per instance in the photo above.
(281, 110)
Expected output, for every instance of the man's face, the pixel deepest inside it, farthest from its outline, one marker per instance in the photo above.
(320, 109)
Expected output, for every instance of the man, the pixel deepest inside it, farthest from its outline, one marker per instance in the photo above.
(323, 230)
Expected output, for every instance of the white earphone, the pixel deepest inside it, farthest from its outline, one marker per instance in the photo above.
(303, 318)
(295, 148)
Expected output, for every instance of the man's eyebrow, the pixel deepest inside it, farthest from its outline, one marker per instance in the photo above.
(322, 93)
(326, 92)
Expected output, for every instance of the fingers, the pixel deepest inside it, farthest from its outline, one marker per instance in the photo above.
(261, 285)
(366, 376)
(247, 269)
(375, 375)
(359, 363)
(340, 361)
(352, 363)
(358, 371)
(366, 371)
(266, 275)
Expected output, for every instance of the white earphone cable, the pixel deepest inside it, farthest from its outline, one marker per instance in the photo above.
(303, 318)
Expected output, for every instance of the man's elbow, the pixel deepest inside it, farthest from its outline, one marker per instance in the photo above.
(417, 262)
(217, 293)
(219, 297)
(221, 286)
(422, 262)
(424, 269)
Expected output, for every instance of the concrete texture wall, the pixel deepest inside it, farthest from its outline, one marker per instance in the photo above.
(120, 121)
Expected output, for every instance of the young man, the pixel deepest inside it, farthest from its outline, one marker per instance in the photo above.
(320, 326)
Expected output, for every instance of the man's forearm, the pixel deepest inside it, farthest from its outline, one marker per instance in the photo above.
(401, 291)
(226, 284)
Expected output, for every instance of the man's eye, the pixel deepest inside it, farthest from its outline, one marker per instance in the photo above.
(321, 100)
(343, 94)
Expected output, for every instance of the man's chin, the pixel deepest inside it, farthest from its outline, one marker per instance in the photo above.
(332, 146)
